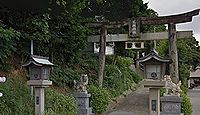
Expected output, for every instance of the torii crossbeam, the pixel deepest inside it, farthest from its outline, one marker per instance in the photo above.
(172, 20)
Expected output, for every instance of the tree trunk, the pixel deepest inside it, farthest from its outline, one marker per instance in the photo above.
(102, 50)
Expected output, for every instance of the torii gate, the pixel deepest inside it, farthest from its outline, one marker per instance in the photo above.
(171, 20)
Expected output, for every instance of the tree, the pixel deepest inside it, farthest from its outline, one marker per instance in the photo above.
(53, 27)
(188, 54)
(112, 10)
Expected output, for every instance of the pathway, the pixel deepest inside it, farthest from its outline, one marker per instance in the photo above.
(136, 103)
(194, 95)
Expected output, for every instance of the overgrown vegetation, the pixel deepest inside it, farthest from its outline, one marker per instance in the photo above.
(186, 107)
(59, 104)
(17, 99)
(59, 31)
(100, 98)
(118, 78)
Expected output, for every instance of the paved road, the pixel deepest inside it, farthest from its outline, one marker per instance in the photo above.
(136, 103)
(195, 100)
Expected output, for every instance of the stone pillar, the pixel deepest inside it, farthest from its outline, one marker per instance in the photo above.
(171, 105)
(39, 100)
(173, 53)
(154, 101)
(82, 101)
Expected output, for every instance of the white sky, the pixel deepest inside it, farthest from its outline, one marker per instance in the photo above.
(170, 7)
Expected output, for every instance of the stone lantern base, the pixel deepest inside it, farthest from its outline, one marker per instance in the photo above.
(39, 83)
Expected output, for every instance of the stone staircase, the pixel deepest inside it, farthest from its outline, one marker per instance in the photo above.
(135, 103)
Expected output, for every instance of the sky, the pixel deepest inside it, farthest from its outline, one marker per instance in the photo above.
(171, 7)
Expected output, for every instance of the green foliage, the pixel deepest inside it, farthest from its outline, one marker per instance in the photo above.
(184, 89)
(188, 54)
(162, 91)
(8, 38)
(162, 48)
(100, 99)
(50, 29)
(184, 51)
(184, 73)
(16, 99)
(59, 104)
(186, 107)
(64, 77)
(119, 76)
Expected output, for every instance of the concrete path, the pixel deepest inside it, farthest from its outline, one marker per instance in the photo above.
(194, 95)
(136, 103)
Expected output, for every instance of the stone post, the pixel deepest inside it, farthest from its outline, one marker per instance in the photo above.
(82, 101)
(154, 101)
(39, 100)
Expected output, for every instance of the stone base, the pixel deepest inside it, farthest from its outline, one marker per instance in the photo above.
(82, 101)
(39, 83)
(87, 111)
(171, 105)
(153, 83)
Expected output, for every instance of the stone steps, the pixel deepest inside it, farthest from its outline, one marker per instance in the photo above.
(135, 103)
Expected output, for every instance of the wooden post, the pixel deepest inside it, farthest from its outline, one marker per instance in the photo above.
(102, 51)
(173, 53)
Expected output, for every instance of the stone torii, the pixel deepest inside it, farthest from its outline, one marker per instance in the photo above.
(172, 20)
(172, 34)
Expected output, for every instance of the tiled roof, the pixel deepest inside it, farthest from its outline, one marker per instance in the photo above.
(38, 60)
(153, 55)
(195, 73)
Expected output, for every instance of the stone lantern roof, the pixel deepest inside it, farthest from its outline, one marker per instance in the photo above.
(38, 61)
(153, 55)
(195, 73)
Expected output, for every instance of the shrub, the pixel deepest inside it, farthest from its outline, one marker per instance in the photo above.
(119, 76)
(64, 77)
(100, 98)
(59, 104)
(16, 99)
(186, 106)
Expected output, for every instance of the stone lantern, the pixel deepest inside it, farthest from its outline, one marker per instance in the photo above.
(154, 68)
(38, 67)
(39, 71)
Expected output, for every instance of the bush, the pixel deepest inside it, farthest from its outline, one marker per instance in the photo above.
(119, 77)
(113, 80)
(64, 77)
(59, 104)
(100, 98)
(186, 106)
(16, 99)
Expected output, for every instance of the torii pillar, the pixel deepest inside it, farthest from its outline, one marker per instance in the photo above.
(171, 20)
(173, 53)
